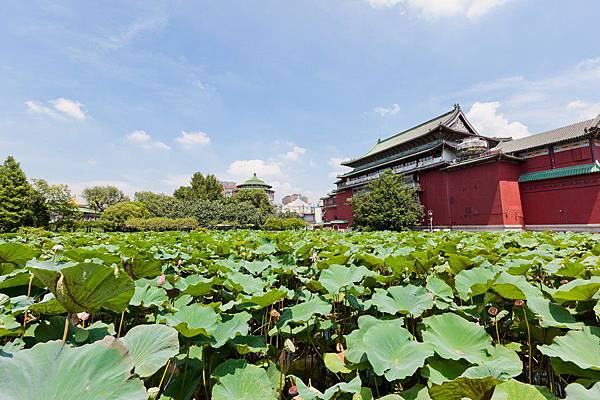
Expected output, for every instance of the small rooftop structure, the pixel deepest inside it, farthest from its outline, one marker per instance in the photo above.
(256, 183)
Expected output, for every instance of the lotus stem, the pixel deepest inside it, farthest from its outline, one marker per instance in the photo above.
(29, 286)
(66, 330)
(121, 324)
(163, 376)
(528, 344)
(497, 333)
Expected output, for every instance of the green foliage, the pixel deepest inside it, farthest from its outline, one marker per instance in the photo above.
(115, 217)
(99, 198)
(387, 204)
(161, 205)
(283, 224)
(256, 197)
(327, 315)
(17, 197)
(201, 188)
(161, 224)
(57, 199)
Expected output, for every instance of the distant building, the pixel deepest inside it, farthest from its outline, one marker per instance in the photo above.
(547, 181)
(228, 188)
(298, 206)
(256, 183)
(291, 197)
(87, 213)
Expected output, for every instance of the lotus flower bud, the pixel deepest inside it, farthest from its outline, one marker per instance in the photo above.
(519, 303)
(275, 314)
(493, 311)
(293, 390)
(83, 316)
(161, 280)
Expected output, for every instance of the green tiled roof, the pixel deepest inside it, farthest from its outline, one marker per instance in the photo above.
(561, 172)
(410, 134)
(255, 181)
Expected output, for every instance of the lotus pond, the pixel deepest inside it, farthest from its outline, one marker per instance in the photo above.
(300, 315)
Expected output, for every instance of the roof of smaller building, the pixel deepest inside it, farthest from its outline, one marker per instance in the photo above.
(564, 133)
(254, 181)
(561, 172)
(297, 203)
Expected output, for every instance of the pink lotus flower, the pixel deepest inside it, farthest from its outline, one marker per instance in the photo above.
(83, 316)
(161, 280)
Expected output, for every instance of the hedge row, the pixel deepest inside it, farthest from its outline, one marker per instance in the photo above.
(161, 224)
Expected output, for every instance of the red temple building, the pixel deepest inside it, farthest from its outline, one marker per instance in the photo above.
(547, 181)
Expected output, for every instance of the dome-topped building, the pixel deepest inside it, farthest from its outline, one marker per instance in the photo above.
(256, 183)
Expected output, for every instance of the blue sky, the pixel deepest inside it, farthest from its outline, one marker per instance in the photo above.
(142, 94)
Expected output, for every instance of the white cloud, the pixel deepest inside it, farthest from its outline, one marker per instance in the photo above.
(387, 111)
(243, 169)
(435, 9)
(338, 168)
(294, 154)
(68, 107)
(583, 109)
(189, 140)
(489, 122)
(61, 109)
(144, 140)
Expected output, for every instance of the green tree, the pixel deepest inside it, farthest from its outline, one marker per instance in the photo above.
(58, 202)
(115, 216)
(16, 197)
(387, 204)
(99, 198)
(161, 205)
(257, 197)
(201, 188)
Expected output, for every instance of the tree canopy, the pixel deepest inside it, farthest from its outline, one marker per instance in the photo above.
(200, 188)
(387, 204)
(17, 197)
(99, 198)
(57, 200)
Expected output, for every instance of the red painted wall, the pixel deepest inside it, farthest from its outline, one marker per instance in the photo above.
(482, 194)
(567, 158)
(578, 197)
(343, 209)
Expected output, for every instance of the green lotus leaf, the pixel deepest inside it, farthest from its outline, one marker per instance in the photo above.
(16, 278)
(192, 320)
(310, 393)
(473, 282)
(4, 299)
(235, 325)
(242, 283)
(337, 277)
(438, 370)
(9, 326)
(151, 346)
(453, 337)
(199, 285)
(502, 363)
(256, 267)
(518, 266)
(16, 254)
(464, 388)
(440, 289)
(578, 289)
(515, 287)
(408, 299)
(356, 349)
(581, 348)
(393, 352)
(458, 263)
(265, 299)
(148, 296)
(513, 389)
(551, 314)
(576, 391)
(250, 344)
(49, 305)
(146, 267)
(85, 286)
(248, 383)
(52, 370)
(304, 312)
(334, 363)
